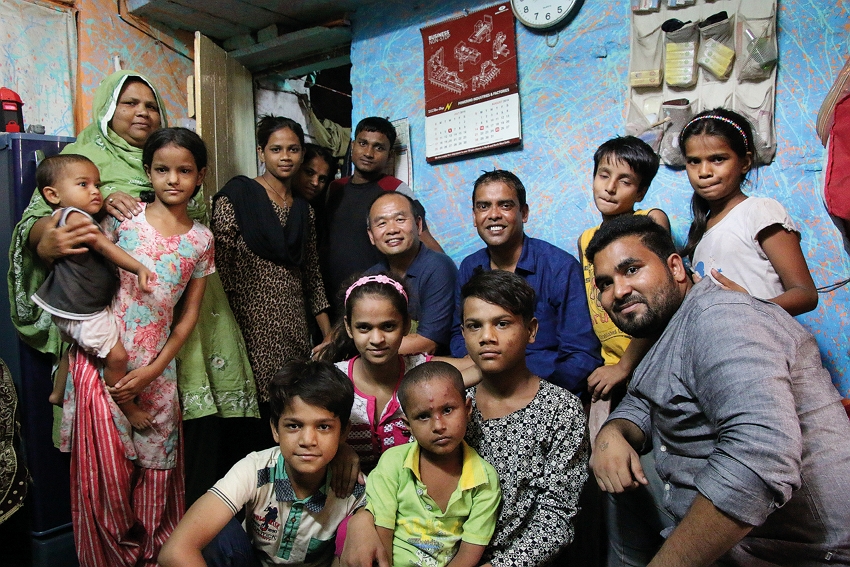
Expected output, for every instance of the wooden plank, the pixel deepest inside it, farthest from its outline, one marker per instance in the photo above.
(225, 114)
(220, 19)
(292, 47)
(301, 67)
(181, 17)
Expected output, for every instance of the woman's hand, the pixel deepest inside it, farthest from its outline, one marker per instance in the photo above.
(53, 242)
(317, 350)
(122, 206)
(133, 384)
(146, 278)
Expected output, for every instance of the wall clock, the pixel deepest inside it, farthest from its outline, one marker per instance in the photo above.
(543, 14)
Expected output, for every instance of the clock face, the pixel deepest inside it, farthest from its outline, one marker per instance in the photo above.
(541, 14)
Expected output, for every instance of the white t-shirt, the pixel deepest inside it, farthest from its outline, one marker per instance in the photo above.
(732, 247)
(283, 529)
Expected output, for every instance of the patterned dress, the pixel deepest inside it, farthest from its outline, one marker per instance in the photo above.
(540, 453)
(123, 479)
(145, 322)
(268, 299)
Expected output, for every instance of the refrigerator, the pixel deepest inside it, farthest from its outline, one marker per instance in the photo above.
(48, 530)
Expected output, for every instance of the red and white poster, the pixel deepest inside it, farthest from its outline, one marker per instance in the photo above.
(471, 85)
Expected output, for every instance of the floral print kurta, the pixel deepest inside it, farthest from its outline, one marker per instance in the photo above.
(145, 322)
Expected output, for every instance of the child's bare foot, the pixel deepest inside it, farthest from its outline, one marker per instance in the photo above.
(139, 419)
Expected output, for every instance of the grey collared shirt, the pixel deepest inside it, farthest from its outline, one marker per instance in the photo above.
(741, 410)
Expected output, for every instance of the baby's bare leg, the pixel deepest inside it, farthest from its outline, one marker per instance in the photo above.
(115, 368)
(57, 396)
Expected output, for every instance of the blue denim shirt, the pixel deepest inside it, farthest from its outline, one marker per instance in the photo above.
(740, 409)
(566, 350)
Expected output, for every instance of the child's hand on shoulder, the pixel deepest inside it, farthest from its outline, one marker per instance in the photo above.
(726, 283)
(146, 279)
(345, 471)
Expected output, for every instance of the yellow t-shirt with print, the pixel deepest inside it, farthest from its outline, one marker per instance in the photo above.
(614, 341)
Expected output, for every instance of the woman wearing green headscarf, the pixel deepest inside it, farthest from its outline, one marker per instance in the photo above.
(214, 375)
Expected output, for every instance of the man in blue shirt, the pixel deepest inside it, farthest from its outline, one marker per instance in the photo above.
(393, 229)
(566, 350)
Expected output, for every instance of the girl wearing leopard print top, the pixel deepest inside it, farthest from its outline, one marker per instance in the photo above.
(266, 254)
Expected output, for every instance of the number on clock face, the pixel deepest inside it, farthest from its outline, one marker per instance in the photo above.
(541, 14)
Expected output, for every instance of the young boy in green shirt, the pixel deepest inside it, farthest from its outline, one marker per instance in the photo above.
(435, 501)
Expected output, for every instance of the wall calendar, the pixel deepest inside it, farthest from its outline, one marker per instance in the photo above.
(471, 90)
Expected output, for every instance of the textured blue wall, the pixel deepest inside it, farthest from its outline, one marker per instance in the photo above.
(573, 99)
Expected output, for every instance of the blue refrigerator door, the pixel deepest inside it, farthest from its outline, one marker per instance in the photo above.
(49, 497)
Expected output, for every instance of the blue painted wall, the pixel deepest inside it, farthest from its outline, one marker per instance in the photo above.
(573, 99)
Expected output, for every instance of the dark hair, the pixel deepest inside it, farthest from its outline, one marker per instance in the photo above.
(269, 124)
(505, 289)
(419, 213)
(51, 169)
(738, 134)
(635, 152)
(652, 235)
(505, 177)
(379, 125)
(413, 210)
(317, 383)
(316, 151)
(341, 346)
(425, 372)
(180, 137)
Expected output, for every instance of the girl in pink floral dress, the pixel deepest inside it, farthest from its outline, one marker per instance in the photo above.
(128, 488)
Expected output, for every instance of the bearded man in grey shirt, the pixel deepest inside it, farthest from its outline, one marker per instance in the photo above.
(749, 435)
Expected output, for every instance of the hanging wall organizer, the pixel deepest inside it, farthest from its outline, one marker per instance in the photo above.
(689, 56)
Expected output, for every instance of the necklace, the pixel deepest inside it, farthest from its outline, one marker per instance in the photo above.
(282, 197)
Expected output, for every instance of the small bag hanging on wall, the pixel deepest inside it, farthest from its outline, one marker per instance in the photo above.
(681, 42)
(759, 111)
(717, 46)
(834, 127)
(647, 53)
(757, 41)
(837, 184)
(677, 113)
(643, 122)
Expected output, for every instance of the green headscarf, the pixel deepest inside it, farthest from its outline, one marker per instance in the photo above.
(120, 166)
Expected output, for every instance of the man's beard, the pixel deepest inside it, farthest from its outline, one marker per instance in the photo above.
(653, 321)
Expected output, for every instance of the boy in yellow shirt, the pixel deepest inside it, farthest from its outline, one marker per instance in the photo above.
(623, 169)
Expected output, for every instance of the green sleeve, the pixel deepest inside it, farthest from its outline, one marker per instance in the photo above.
(382, 488)
(479, 526)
